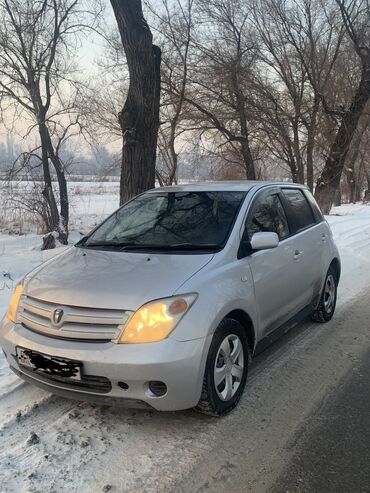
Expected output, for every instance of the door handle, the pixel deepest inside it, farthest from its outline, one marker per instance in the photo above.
(298, 254)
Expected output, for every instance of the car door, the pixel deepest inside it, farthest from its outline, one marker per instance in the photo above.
(275, 271)
(310, 237)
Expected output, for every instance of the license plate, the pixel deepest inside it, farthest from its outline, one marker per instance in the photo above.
(49, 365)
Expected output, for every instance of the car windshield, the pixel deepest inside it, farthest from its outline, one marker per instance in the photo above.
(170, 220)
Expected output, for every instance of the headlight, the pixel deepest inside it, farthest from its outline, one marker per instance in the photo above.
(11, 314)
(156, 320)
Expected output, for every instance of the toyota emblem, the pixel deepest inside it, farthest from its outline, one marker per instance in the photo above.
(57, 316)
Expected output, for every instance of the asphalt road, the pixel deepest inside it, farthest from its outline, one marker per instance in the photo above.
(304, 424)
(332, 452)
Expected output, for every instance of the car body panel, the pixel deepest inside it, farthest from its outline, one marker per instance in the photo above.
(278, 287)
(111, 279)
(179, 364)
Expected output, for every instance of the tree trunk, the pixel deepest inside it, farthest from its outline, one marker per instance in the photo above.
(293, 169)
(352, 184)
(360, 180)
(248, 161)
(329, 180)
(297, 152)
(172, 151)
(61, 224)
(64, 207)
(367, 192)
(52, 214)
(139, 119)
(338, 197)
(250, 170)
(353, 170)
(311, 132)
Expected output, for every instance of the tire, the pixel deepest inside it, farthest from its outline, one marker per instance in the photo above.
(231, 367)
(328, 299)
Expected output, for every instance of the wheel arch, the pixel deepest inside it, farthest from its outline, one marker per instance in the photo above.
(336, 265)
(245, 320)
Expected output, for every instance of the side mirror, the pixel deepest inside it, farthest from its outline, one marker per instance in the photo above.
(264, 241)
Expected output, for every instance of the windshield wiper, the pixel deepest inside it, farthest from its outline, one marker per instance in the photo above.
(126, 246)
(192, 246)
(110, 244)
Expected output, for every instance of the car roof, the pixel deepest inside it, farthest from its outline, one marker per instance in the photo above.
(223, 186)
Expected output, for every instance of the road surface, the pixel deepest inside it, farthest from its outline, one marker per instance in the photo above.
(305, 424)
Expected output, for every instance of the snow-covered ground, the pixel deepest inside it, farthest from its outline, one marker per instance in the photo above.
(90, 202)
(89, 448)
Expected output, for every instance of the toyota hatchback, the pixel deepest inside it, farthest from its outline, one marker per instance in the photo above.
(164, 304)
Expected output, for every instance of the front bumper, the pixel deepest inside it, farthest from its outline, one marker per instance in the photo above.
(180, 365)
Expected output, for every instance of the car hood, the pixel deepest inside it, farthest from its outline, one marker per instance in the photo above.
(112, 280)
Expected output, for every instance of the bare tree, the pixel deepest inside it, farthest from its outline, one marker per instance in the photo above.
(37, 42)
(261, 85)
(99, 107)
(281, 91)
(174, 24)
(139, 118)
(355, 166)
(355, 15)
(222, 58)
(311, 21)
(301, 45)
(279, 113)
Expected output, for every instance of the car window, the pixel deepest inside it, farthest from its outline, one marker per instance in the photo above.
(315, 206)
(268, 215)
(300, 208)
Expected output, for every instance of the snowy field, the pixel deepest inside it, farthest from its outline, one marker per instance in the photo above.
(89, 448)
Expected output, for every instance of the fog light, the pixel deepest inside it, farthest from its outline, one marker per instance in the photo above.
(123, 385)
(157, 388)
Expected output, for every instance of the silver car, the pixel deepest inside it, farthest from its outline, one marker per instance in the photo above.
(164, 304)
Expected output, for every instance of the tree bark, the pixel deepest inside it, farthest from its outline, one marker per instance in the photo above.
(367, 192)
(51, 214)
(297, 150)
(352, 184)
(139, 118)
(329, 180)
(59, 222)
(311, 132)
(248, 161)
(338, 197)
(250, 170)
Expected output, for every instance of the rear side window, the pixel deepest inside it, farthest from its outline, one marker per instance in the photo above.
(268, 215)
(299, 207)
(315, 206)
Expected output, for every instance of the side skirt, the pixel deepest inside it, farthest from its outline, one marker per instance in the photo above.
(283, 329)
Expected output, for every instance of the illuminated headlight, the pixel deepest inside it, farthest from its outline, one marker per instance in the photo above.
(154, 321)
(11, 314)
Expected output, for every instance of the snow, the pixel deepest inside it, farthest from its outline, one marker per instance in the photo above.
(82, 447)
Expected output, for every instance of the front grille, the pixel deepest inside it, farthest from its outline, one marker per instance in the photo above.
(76, 322)
(88, 382)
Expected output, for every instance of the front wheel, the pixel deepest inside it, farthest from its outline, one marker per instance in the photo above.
(226, 369)
(328, 299)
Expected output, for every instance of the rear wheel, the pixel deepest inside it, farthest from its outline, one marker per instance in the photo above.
(328, 299)
(226, 369)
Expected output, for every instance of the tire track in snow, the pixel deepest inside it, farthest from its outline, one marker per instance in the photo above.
(83, 446)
